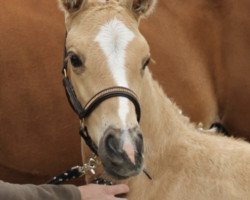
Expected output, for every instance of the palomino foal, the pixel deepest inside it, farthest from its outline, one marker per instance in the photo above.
(106, 49)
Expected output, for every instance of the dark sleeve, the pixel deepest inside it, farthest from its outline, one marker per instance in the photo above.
(42, 192)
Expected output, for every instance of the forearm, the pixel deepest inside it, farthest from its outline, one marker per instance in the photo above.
(41, 192)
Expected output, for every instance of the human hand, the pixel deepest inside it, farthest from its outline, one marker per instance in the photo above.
(102, 192)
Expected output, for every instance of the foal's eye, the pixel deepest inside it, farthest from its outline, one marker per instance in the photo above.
(75, 60)
(146, 63)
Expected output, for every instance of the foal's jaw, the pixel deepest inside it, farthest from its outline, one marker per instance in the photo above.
(121, 152)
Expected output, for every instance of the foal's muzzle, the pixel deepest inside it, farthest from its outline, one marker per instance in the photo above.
(121, 152)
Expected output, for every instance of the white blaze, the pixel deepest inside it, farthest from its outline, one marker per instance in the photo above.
(113, 39)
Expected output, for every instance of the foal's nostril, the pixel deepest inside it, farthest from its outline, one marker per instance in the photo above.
(123, 146)
(112, 143)
(121, 152)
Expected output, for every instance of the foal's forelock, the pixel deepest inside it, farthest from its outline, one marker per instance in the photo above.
(113, 39)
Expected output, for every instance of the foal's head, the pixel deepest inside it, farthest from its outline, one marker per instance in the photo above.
(106, 49)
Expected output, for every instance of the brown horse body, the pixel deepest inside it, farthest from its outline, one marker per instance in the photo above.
(201, 50)
(202, 54)
(38, 130)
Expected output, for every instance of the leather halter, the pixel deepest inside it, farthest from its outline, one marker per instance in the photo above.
(94, 102)
(83, 113)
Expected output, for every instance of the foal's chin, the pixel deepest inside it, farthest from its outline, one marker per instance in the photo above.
(123, 168)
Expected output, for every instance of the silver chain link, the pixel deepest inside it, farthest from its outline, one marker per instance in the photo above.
(90, 166)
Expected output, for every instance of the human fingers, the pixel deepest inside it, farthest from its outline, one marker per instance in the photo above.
(117, 189)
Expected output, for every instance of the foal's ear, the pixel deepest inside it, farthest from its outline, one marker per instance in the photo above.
(142, 8)
(71, 5)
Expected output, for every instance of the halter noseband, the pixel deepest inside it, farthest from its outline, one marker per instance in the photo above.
(94, 102)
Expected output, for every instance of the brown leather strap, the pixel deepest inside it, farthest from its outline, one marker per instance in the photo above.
(110, 93)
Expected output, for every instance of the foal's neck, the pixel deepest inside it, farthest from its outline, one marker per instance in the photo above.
(160, 117)
(163, 125)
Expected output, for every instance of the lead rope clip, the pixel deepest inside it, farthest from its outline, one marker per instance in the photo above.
(91, 165)
(77, 171)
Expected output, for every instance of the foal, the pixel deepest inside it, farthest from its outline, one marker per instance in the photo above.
(106, 49)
